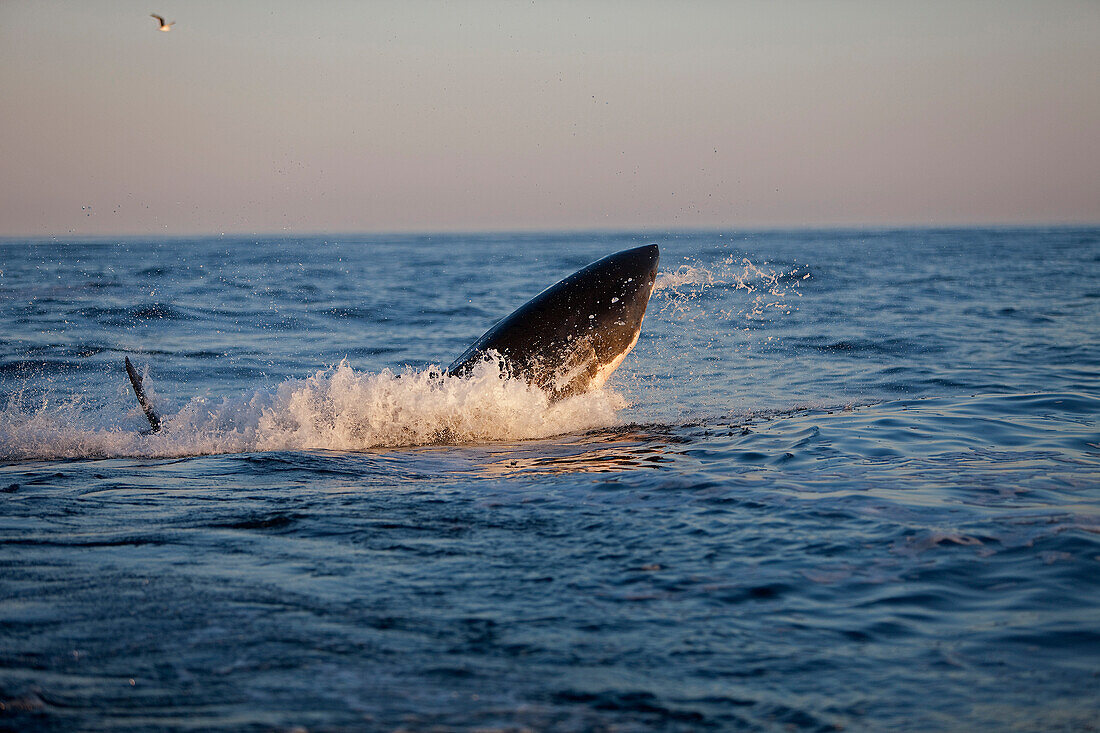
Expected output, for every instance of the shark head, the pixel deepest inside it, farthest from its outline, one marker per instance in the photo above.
(570, 337)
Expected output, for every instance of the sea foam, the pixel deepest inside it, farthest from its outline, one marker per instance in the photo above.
(338, 408)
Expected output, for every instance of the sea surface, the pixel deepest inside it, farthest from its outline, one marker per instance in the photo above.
(847, 480)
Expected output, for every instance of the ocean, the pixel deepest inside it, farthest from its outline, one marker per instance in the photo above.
(846, 480)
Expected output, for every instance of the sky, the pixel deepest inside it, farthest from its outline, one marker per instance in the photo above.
(266, 117)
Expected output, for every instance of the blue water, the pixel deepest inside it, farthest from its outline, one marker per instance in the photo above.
(846, 480)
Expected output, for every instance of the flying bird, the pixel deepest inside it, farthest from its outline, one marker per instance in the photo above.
(163, 26)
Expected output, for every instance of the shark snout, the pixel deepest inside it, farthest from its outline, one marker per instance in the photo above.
(641, 262)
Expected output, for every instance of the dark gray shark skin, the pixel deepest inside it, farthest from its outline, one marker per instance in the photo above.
(139, 391)
(570, 337)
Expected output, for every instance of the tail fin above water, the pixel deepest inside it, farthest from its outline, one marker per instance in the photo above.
(146, 405)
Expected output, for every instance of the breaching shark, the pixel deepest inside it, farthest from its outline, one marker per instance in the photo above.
(566, 341)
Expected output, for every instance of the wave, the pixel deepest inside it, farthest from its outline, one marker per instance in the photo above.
(129, 315)
(335, 409)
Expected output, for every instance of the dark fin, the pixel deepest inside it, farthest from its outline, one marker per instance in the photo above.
(146, 405)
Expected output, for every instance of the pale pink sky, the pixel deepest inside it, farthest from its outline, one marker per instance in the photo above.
(388, 116)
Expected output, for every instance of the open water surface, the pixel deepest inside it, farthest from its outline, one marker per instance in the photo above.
(846, 480)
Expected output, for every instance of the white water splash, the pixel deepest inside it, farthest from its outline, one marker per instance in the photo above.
(768, 288)
(335, 409)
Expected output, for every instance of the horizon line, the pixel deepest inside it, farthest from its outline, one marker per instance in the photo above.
(523, 231)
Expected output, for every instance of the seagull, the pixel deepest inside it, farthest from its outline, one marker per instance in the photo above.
(163, 26)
